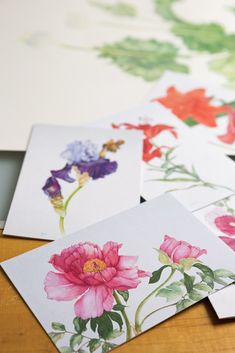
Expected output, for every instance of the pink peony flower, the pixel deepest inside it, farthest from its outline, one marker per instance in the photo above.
(179, 250)
(90, 274)
(229, 241)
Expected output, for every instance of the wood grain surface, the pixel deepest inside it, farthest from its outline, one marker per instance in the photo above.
(195, 330)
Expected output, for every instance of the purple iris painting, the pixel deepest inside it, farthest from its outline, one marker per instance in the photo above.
(84, 162)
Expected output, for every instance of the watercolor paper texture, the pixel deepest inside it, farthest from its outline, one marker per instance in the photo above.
(175, 159)
(220, 219)
(72, 177)
(70, 59)
(207, 109)
(109, 282)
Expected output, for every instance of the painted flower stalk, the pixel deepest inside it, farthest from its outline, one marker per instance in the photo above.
(84, 162)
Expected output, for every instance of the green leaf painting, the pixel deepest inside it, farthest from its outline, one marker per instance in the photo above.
(119, 9)
(204, 37)
(225, 66)
(148, 59)
(164, 9)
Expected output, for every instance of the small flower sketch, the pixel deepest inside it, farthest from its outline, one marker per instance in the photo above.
(84, 162)
(98, 280)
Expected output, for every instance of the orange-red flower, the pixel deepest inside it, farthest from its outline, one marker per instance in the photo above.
(192, 104)
(229, 137)
(150, 151)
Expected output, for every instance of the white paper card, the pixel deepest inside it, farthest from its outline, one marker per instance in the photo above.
(120, 277)
(73, 177)
(220, 219)
(175, 159)
(207, 109)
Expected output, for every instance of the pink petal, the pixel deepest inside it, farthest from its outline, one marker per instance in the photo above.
(196, 252)
(229, 241)
(182, 251)
(125, 279)
(94, 302)
(97, 278)
(126, 261)
(144, 273)
(59, 288)
(110, 253)
(169, 245)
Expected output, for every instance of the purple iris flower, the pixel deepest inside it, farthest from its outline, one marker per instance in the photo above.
(52, 188)
(99, 168)
(80, 152)
(63, 173)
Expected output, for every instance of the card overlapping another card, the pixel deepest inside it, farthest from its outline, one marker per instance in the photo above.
(102, 286)
(175, 159)
(72, 177)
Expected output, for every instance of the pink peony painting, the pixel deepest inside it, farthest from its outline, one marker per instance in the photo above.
(99, 282)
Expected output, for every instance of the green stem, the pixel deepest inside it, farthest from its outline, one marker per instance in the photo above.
(146, 299)
(155, 311)
(125, 317)
(61, 223)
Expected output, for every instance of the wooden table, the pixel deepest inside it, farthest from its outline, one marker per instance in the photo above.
(195, 330)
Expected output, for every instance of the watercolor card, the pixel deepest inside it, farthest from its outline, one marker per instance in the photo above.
(72, 177)
(102, 286)
(207, 109)
(220, 219)
(175, 159)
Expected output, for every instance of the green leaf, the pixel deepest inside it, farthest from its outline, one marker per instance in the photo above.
(146, 58)
(120, 9)
(172, 292)
(105, 326)
(94, 344)
(124, 294)
(223, 273)
(81, 351)
(164, 258)
(80, 325)
(56, 336)
(209, 281)
(58, 326)
(75, 340)
(66, 350)
(225, 66)
(209, 37)
(93, 324)
(203, 286)
(107, 346)
(183, 304)
(190, 121)
(119, 307)
(116, 317)
(156, 275)
(114, 334)
(188, 282)
(195, 295)
(220, 281)
(163, 8)
(188, 263)
(205, 269)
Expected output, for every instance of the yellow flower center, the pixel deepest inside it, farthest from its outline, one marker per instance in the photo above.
(94, 265)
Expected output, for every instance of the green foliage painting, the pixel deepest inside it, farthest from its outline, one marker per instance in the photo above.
(145, 58)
